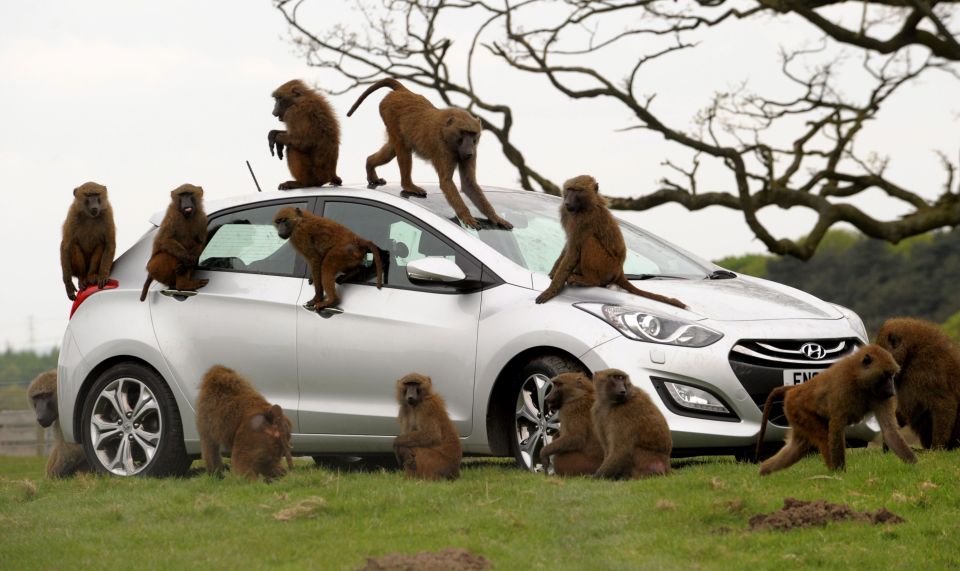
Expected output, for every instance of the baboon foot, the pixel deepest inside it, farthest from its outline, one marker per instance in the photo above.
(470, 222)
(415, 190)
(502, 223)
(375, 182)
(336, 181)
(289, 185)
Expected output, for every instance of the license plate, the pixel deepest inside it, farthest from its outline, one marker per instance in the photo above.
(797, 376)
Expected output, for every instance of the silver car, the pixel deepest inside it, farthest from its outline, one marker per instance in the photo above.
(458, 305)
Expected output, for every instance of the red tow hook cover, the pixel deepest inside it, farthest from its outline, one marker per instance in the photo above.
(90, 290)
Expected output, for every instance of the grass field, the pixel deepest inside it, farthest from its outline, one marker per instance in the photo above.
(696, 518)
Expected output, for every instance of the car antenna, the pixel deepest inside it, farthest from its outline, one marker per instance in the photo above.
(254, 177)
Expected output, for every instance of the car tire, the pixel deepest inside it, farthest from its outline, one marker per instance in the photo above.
(532, 427)
(131, 424)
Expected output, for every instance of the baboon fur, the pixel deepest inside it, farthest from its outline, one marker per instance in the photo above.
(89, 239)
(447, 138)
(329, 248)
(428, 446)
(179, 242)
(633, 433)
(66, 458)
(820, 409)
(594, 252)
(312, 138)
(928, 386)
(576, 450)
(233, 415)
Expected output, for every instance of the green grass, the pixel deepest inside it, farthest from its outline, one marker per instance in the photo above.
(696, 518)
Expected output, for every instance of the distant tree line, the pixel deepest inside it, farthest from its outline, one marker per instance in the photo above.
(919, 277)
(17, 369)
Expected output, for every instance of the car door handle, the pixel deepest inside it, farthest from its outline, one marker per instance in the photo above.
(177, 294)
(325, 313)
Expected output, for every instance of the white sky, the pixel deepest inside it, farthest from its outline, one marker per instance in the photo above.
(144, 96)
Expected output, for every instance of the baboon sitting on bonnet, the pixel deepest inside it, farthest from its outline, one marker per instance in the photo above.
(179, 242)
(312, 138)
(576, 450)
(89, 239)
(820, 409)
(634, 434)
(329, 248)
(595, 252)
(65, 458)
(233, 415)
(428, 446)
(447, 138)
(928, 386)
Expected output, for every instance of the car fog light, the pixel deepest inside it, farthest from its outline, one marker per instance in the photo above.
(695, 399)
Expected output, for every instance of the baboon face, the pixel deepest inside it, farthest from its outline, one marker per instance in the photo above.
(612, 384)
(286, 220)
(580, 193)
(891, 337)
(568, 387)
(462, 134)
(878, 369)
(273, 429)
(286, 96)
(187, 199)
(412, 389)
(92, 197)
(45, 406)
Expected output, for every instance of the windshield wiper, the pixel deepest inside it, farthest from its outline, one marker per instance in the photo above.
(653, 276)
(721, 275)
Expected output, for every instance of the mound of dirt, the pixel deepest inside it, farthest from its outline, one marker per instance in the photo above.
(451, 558)
(798, 513)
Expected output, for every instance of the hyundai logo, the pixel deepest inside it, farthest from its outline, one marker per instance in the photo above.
(813, 351)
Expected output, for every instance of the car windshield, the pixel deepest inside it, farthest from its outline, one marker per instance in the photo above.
(537, 237)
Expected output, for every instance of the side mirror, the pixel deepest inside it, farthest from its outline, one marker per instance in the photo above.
(435, 270)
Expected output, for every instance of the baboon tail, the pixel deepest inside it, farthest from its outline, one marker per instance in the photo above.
(774, 394)
(377, 261)
(387, 82)
(623, 282)
(146, 286)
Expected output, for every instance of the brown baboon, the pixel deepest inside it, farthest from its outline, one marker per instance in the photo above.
(65, 458)
(632, 431)
(312, 138)
(330, 248)
(595, 252)
(928, 386)
(231, 414)
(820, 409)
(576, 450)
(428, 446)
(447, 138)
(89, 239)
(179, 242)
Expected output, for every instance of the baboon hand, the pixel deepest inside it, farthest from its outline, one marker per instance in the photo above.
(272, 142)
(546, 296)
(502, 223)
(102, 281)
(71, 290)
(471, 222)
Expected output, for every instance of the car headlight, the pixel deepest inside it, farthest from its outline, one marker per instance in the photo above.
(648, 326)
(854, 320)
(694, 398)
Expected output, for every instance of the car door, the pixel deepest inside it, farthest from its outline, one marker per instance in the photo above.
(350, 360)
(245, 317)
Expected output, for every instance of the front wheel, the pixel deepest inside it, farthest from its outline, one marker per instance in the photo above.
(533, 425)
(131, 424)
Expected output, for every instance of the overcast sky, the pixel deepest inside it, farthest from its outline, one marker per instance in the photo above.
(145, 96)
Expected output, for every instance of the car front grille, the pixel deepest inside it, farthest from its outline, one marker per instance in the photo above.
(759, 364)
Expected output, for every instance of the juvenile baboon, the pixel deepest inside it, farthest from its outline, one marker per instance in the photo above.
(632, 431)
(820, 409)
(231, 414)
(447, 138)
(89, 239)
(595, 252)
(65, 458)
(428, 446)
(329, 248)
(576, 450)
(179, 242)
(928, 386)
(312, 138)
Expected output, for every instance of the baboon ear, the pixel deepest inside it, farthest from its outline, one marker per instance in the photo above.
(257, 421)
(596, 187)
(867, 360)
(275, 413)
(75, 191)
(450, 120)
(299, 212)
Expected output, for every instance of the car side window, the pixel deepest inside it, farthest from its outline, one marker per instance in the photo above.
(403, 241)
(246, 241)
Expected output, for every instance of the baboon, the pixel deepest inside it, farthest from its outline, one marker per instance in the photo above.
(179, 242)
(928, 386)
(595, 252)
(330, 248)
(820, 409)
(633, 433)
(89, 239)
(65, 458)
(576, 450)
(312, 138)
(233, 415)
(428, 446)
(447, 138)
